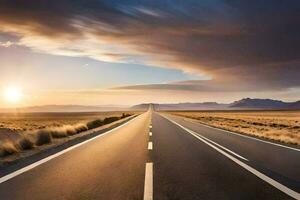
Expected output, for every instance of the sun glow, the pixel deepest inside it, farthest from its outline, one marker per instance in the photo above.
(12, 94)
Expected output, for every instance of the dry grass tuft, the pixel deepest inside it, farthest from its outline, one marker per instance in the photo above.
(25, 143)
(7, 148)
(108, 120)
(43, 137)
(57, 132)
(94, 124)
(66, 130)
(70, 130)
(81, 128)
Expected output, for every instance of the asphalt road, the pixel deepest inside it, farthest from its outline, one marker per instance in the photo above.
(164, 158)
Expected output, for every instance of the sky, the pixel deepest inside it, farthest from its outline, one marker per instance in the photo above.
(103, 52)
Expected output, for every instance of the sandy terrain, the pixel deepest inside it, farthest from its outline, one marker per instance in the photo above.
(283, 126)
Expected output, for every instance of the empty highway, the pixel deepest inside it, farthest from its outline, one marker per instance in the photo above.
(163, 157)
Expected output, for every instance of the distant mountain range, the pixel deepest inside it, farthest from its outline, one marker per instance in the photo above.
(264, 104)
(243, 104)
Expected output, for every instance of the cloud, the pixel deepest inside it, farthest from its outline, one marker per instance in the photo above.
(242, 45)
(6, 44)
(204, 86)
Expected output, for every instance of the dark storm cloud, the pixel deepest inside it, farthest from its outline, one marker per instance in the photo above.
(251, 44)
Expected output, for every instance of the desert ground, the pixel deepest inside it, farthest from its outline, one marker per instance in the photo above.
(282, 126)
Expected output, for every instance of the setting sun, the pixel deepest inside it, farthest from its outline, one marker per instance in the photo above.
(12, 94)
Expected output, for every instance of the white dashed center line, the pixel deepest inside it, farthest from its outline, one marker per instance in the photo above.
(148, 186)
(150, 146)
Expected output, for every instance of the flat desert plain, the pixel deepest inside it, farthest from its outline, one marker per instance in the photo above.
(283, 126)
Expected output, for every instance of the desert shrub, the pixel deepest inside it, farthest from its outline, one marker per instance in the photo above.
(283, 126)
(57, 133)
(63, 131)
(94, 124)
(124, 115)
(279, 125)
(108, 120)
(80, 128)
(7, 148)
(43, 137)
(69, 130)
(25, 143)
(258, 124)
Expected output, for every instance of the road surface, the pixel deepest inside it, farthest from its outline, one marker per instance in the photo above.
(161, 157)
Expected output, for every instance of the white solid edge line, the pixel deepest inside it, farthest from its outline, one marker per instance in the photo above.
(44, 160)
(262, 176)
(209, 140)
(249, 137)
(148, 186)
(150, 145)
(150, 133)
(226, 149)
